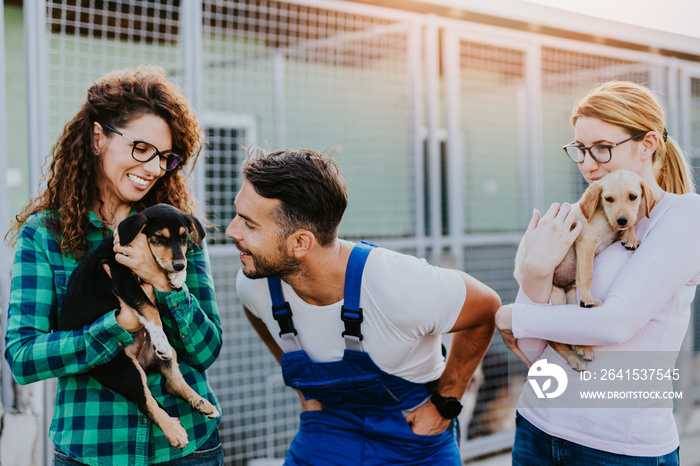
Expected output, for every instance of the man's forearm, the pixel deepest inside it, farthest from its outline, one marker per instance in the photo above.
(467, 349)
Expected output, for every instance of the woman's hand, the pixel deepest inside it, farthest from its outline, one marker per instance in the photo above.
(504, 324)
(138, 257)
(127, 318)
(546, 242)
(548, 239)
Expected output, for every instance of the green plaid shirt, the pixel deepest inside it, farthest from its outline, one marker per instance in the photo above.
(91, 423)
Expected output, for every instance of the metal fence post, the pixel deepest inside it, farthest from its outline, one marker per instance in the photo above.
(5, 261)
(432, 81)
(37, 90)
(191, 42)
(38, 145)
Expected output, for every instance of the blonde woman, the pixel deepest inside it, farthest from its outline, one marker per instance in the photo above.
(646, 296)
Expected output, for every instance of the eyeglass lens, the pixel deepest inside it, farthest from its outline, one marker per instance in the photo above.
(600, 154)
(144, 152)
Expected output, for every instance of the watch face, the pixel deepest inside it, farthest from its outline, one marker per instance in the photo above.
(448, 407)
(451, 409)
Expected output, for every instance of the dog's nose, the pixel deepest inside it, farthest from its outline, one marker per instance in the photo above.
(622, 221)
(178, 266)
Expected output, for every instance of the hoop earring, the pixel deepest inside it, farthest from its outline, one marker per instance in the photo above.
(96, 151)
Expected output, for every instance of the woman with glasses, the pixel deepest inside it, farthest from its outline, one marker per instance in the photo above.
(620, 410)
(123, 151)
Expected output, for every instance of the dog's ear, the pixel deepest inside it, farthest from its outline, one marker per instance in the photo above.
(589, 200)
(196, 225)
(649, 197)
(130, 227)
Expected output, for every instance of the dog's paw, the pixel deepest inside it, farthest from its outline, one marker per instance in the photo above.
(175, 433)
(177, 279)
(631, 246)
(160, 343)
(575, 362)
(584, 352)
(206, 408)
(592, 302)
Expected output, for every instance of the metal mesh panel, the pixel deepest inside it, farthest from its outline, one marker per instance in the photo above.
(693, 154)
(493, 106)
(493, 265)
(493, 411)
(322, 79)
(224, 153)
(566, 77)
(87, 39)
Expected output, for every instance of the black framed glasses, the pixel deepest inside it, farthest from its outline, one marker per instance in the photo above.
(143, 151)
(601, 153)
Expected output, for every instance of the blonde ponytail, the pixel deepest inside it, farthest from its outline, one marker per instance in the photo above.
(672, 171)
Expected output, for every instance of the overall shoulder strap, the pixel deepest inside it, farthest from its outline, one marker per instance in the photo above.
(351, 312)
(283, 315)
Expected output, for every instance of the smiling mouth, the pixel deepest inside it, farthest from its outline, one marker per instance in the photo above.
(245, 252)
(138, 180)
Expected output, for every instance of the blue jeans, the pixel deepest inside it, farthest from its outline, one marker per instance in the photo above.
(211, 453)
(532, 447)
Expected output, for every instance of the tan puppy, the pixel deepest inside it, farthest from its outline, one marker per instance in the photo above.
(609, 209)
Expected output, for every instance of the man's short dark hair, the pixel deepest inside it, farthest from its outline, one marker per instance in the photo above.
(309, 185)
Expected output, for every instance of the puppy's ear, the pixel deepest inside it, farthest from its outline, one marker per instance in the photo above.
(130, 227)
(649, 197)
(589, 200)
(196, 225)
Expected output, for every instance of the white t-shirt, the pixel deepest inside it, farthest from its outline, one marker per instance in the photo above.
(407, 305)
(646, 297)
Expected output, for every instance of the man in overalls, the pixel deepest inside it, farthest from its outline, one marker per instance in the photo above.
(356, 328)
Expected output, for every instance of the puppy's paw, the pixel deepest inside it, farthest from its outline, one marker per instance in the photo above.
(584, 352)
(206, 408)
(175, 433)
(160, 343)
(575, 362)
(631, 246)
(177, 279)
(592, 302)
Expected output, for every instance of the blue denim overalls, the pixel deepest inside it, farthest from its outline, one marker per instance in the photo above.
(362, 421)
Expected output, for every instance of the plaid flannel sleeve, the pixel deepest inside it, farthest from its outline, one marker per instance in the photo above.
(193, 323)
(33, 351)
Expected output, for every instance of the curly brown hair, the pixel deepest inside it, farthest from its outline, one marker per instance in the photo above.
(71, 182)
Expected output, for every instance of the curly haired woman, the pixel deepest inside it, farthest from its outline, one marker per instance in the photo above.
(123, 151)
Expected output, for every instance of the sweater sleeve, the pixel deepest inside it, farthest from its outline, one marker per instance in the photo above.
(532, 347)
(667, 260)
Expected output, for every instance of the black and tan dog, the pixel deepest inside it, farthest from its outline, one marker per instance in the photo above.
(91, 293)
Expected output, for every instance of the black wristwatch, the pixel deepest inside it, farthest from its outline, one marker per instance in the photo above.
(449, 407)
